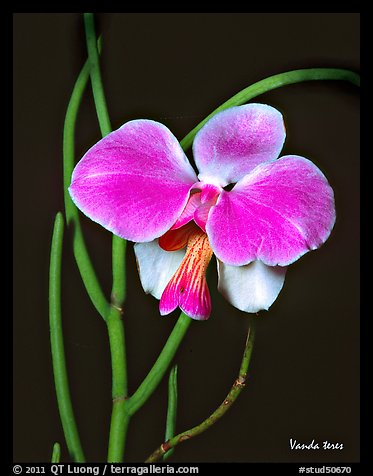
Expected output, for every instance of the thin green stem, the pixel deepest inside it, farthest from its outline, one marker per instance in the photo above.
(118, 290)
(118, 354)
(80, 251)
(94, 65)
(273, 82)
(171, 409)
(119, 245)
(56, 453)
(57, 345)
(156, 373)
(234, 392)
(119, 416)
(118, 432)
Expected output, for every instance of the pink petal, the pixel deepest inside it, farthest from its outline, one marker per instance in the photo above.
(193, 298)
(275, 214)
(236, 140)
(135, 182)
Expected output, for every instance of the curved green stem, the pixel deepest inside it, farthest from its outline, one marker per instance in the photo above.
(119, 416)
(82, 258)
(273, 82)
(57, 346)
(155, 375)
(118, 293)
(236, 389)
(94, 65)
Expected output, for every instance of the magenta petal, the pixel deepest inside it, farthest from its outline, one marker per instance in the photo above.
(135, 182)
(193, 299)
(236, 140)
(275, 214)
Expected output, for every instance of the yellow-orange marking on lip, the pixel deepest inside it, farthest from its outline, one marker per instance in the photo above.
(178, 238)
(188, 287)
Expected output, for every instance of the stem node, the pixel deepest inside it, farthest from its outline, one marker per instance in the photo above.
(117, 307)
(165, 447)
(240, 382)
(119, 399)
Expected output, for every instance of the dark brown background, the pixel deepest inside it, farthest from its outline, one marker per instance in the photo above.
(176, 68)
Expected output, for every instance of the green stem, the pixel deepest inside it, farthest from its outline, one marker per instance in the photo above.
(57, 345)
(236, 389)
(94, 65)
(56, 453)
(273, 82)
(119, 245)
(118, 290)
(119, 416)
(158, 370)
(118, 354)
(171, 409)
(82, 258)
(118, 432)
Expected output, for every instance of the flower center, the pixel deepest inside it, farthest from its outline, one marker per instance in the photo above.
(188, 288)
(202, 197)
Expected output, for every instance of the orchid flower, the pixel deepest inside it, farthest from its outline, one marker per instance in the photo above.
(256, 212)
